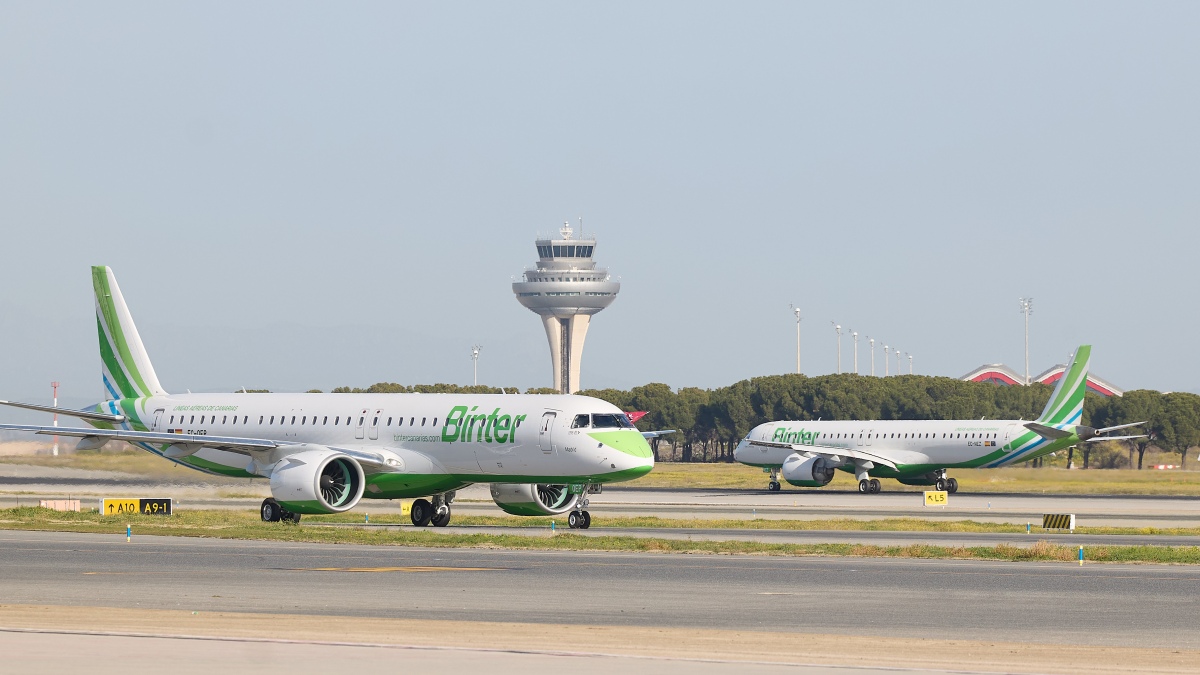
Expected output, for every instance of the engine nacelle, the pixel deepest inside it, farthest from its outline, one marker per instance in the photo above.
(807, 471)
(533, 499)
(318, 480)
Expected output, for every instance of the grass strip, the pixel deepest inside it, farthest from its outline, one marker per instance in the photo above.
(840, 524)
(242, 525)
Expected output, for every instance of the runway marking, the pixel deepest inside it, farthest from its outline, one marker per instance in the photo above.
(414, 568)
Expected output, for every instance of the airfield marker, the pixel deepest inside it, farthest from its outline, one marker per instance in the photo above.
(1081, 556)
(128, 533)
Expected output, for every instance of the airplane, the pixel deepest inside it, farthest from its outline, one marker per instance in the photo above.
(323, 453)
(918, 452)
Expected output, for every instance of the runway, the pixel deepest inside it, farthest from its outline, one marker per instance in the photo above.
(641, 613)
(1114, 605)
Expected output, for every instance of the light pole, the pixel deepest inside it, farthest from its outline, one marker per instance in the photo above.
(55, 386)
(475, 362)
(909, 364)
(797, 311)
(854, 334)
(872, 341)
(1026, 309)
(839, 334)
(885, 360)
(896, 351)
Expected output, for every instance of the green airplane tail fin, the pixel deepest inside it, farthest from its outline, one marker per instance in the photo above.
(125, 365)
(1066, 403)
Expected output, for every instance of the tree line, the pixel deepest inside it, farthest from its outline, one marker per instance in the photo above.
(711, 422)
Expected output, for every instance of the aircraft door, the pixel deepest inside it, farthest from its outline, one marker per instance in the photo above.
(869, 432)
(860, 436)
(546, 432)
(373, 431)
(158, 419)
(362, 418)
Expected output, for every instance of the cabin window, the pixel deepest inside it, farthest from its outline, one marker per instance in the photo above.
(235, 420)
(272, 419)
(172, 420)
(389, 421)
(293, 419)
(360, 420)
(337, 420)
(435, 421)
(412, 421)
(192, 420)
(400, 422)
(224, 419)
(348, 420)
(375, 422)
(260, 419)
(325, 420)
(304, 420)
(422, 421)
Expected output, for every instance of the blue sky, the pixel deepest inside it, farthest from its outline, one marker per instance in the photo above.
(298, 195)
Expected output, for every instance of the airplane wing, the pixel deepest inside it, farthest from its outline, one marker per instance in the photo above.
(655, 434)
(256, 448)
(81, 414)
(246, 446)
(836, 455)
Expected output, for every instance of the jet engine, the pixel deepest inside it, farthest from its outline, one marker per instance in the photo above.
(319, 480)
(533, 499)
(807, 471)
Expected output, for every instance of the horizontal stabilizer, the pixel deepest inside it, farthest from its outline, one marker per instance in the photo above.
(81, 414)
(1046, 432)
(655, 434)
(1097, 439)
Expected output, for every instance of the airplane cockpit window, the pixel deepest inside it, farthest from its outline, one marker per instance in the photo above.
(611, 421)
(581, 422)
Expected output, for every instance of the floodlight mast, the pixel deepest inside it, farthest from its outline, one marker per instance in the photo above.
(797, 312)
(885, 360)
(838, 328)
(475, 361)
(854, 334)
(909, 363)
(1026, 309)
(872, 341)
(896, 351)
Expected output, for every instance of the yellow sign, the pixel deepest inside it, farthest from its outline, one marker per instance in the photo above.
(122, 507)
(936, 497)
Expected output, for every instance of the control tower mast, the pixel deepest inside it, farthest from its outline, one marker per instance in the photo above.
(566, 289)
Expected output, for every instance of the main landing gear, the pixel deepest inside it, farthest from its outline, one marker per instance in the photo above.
(945, 484)
(773, 486)
(436, 512)
(869, 486)
(272, 512)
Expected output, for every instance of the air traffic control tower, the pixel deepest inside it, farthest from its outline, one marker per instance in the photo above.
(566, 289)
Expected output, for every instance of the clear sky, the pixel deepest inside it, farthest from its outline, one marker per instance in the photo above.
(299, 195)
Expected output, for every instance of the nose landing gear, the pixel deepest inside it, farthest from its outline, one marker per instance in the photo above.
(773, 486)
(579, 518)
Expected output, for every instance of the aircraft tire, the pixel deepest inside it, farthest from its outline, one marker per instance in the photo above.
(876, 486)
(270, 511)
(773, 486)
(421, 512)
(587, 520)
(940, 485)
(864, 486)
(441, 520)
(574, 520)
(952, 485)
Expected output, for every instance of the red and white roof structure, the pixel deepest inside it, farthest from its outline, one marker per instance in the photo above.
(998, 373)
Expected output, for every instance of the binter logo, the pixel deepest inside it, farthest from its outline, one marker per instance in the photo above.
(465, 425)
(801, 437)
